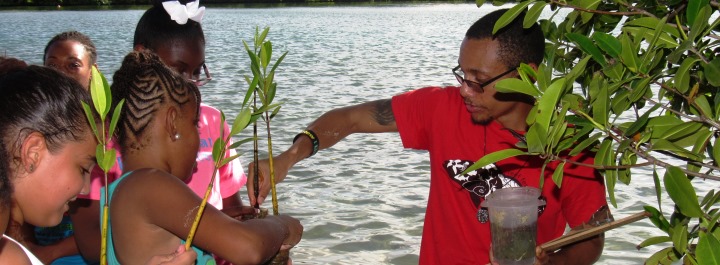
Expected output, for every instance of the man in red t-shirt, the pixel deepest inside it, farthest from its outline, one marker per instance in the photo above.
(458, 125)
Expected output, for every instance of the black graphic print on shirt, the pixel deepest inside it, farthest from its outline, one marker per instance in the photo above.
(480, 183)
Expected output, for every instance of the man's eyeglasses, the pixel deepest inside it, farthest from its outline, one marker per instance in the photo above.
(206, 77)
(475, 86)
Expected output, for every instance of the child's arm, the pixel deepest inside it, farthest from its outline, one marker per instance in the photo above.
(156, 199)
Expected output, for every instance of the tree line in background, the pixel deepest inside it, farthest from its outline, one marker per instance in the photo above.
(7, 3)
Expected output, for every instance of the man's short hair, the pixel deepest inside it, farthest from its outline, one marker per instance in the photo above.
(517, 45)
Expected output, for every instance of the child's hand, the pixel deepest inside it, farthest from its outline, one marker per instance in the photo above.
(180, 257)
(295, 230)
(239, 212)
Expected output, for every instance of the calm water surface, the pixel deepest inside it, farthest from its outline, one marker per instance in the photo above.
(362, 201)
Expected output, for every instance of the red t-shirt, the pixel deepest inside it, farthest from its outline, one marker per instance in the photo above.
(435, 119)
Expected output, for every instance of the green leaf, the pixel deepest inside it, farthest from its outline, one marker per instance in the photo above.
(115, 118)
(693, 9)
(100, 155)
(653, 23)
(514, 85)
(251, 89)
(589, 5)
(658, 188)
(261, 38)
(707, 200)
(702, 141)
(586, 45)
(665, 145)
(679, 238)
(271, 93)
(275, 112)
(653, 42)
(531, 17)
(681, 130)
(608, 43)
(100, 93)
(658, 38)
(629, 54)
(585, 143)
(109, 159)
(218, 149)
(707, 249)
(494, 157)
(716, 150)
(681, 191)
(536, 138)
(237, 144)
(277, 63)
(640, 88)
(640, 122)
(682, 76)
(702, 104)
(558, 130)
(558, 175)
(664, 256)
(266, 54)
(576, 71)
(653, 241)
(602, 158)
(712, 72)
(242, 120)
(657, 218)
(548, 102)
(90, 117)
(228, 159)
(601, 106)
(479, 3)
(510, 15)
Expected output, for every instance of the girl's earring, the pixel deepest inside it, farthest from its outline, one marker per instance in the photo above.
(177, 136)
(32, 168)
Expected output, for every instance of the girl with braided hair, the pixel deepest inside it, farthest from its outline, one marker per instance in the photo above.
(180, 44)
(158, 138)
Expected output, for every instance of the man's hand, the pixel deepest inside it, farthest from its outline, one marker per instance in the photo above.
(541, 257)
(281, 168)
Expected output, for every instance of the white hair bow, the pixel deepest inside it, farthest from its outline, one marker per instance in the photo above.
(181, 13)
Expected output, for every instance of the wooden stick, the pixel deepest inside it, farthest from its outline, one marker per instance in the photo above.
(562, 241)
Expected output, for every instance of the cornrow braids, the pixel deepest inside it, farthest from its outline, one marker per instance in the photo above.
(146, 84)
(74, 36)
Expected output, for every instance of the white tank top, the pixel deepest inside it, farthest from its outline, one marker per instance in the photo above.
(34, 260)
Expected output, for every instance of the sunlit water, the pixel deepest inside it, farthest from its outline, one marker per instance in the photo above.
(363, 200)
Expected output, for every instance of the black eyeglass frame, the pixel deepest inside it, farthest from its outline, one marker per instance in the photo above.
(201, 82)
(475, 86)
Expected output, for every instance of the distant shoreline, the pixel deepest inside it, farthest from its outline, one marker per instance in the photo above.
(143, 4)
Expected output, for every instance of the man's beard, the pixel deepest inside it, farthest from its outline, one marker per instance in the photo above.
(485, 120)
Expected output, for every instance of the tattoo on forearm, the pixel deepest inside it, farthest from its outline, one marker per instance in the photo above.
(383, 112)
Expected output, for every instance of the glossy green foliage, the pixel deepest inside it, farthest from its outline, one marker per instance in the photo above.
(636, 82)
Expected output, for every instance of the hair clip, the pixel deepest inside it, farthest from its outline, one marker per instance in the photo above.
(181, 13)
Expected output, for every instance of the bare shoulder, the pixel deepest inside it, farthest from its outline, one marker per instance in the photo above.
(12, 253)
(146, 178)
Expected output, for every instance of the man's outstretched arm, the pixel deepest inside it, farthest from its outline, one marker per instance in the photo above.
(331, 127)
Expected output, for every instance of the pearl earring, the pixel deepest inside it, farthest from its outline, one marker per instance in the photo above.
(177, 136)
